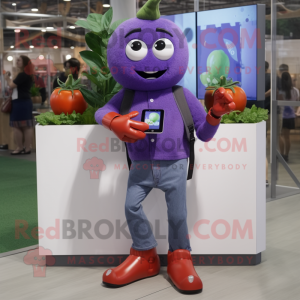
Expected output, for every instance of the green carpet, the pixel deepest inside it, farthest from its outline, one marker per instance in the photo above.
(18, 201)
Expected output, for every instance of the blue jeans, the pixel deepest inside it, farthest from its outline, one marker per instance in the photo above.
(169, 176)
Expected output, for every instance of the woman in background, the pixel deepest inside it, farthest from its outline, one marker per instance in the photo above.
(287, 93)
(21, 113)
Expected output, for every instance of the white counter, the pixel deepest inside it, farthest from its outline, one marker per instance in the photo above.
(226, 199)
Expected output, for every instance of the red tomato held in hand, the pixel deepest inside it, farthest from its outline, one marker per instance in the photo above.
(65, 103)
(239, 96)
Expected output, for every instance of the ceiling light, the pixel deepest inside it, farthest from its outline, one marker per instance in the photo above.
(17, 30)
(41, 57)
(34, 9)
(49, 27)
(68, 56)
(14, 4)
(12, 47)
(31, 46)
(10, 58)
(55, 47)
(72, 47)
(72, 27)
(106, 3)
(67, 0)
(44, 30)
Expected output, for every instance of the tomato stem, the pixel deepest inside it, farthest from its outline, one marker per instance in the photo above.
(223, 82)
(69, 85)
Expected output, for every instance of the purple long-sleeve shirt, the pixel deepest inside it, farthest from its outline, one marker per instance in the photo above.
(172, 143)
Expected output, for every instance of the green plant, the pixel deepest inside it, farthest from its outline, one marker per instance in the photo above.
(253, 115)
(88, 117)
(249, 115)
(223, 82)
(69, 85)
(34, 91)
(104, 86)
(49, 118)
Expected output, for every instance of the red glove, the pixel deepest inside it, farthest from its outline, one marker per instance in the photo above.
(223, 104)
(124, 128)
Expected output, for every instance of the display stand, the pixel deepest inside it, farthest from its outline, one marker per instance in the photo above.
(82, 177)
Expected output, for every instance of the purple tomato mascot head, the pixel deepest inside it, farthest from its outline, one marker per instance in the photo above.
(148, 53)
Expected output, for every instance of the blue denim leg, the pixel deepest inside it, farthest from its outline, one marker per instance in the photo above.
(140, 183)
(173, 183)
(170, 177)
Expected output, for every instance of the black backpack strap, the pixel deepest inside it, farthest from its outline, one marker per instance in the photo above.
(124, 109)
(188, 124)
(127, 101)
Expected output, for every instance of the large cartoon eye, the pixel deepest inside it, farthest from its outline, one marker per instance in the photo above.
(136, 50)
(163, 49)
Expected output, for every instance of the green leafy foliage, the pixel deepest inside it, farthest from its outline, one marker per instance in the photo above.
(115, 24)
(34, 91)
(69, 85)
(88, 117)
(95, 43)
(92, 98)
(104, 87)
(49, 118)
(285, 27)
(223, 82)
(253, 115)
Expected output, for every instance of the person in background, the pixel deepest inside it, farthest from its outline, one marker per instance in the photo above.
(268, 88)
(62, 76)
(288, 93)
(283, 68)
(297, 113)
(38, 81)
(7, 91)
(268, 107)
(294, 80)
(72, 66)
(2, 146)
(21, 113)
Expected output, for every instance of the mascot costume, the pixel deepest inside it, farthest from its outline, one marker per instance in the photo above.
(146, 55)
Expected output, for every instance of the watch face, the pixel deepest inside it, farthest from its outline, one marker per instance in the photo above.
(154, 118)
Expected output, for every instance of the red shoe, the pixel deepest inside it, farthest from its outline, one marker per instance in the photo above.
(138, 265)
(182, 272)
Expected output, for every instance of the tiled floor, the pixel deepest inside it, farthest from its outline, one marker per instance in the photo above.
(6, 153)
